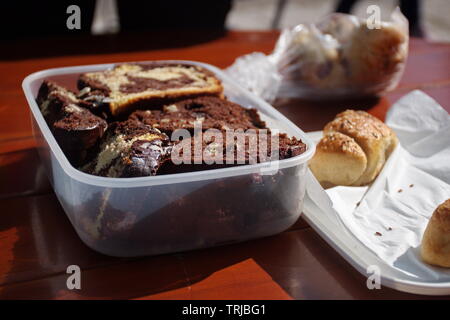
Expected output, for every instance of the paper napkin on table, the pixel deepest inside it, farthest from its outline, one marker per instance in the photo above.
(390, 216)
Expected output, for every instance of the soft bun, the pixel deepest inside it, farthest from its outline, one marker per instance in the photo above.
(338, 160)
(436, 239)
(375, 56)
(374, 138)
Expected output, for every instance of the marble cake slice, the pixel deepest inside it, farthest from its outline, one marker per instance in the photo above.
(130, 149)
(52, 98)
(212, 112)
(241, 147)
(75, 128)
(127, 87)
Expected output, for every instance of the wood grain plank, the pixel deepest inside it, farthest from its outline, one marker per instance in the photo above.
(136, 278)
(419, 45)
(299, 224)
(220, 52)
(236, 282)
(439, 93)
(297, 264)
(15, 120)
(22, 174)
(19, 144)
(313, 115)
(426, 67)
(303, 264)
(37, 240)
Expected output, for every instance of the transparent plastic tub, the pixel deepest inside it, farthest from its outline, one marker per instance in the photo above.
(128, 217)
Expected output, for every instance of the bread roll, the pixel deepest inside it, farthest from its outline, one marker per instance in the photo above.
(342, 57)
(375, 140)
(436, 239)
(375, 56)
(339, 160)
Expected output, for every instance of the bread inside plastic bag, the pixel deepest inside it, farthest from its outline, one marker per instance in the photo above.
(339, 57)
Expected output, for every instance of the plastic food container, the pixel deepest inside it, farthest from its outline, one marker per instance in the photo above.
(128, 217)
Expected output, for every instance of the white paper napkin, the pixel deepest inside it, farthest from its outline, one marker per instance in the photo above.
(390, 216)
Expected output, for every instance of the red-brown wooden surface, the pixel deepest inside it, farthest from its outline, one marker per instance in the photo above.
(37, 242)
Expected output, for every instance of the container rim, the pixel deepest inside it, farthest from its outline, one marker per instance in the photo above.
(260, 104)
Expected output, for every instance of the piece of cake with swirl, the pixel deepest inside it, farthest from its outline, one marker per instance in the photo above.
(128, 87)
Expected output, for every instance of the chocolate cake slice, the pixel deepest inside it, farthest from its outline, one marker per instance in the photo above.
(219, 149)
(77, 131)
(134, 149)
(130, 149)
(75, 128)
(52, 98)
(212, 112)
(127, 87)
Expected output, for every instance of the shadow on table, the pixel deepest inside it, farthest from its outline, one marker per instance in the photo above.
(313, 115)
(22, 174)
(299, 262)
(25, 48)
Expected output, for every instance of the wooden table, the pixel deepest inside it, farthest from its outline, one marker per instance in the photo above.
(37, 242)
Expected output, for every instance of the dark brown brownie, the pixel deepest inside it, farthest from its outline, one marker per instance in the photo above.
(212, 112)
(75, 128)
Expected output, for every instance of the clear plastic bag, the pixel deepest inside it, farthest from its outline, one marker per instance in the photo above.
(339, 57)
